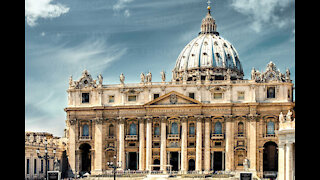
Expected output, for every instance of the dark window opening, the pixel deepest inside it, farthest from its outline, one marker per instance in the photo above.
(132, 144)
(271, 92)
(85, 97)
(155, 96)
(217, 143)
(191, 95)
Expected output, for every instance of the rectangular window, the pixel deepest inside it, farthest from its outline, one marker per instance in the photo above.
(48, 168)
(111, 99)
(191, 95)
(217, 95)
(35, 166)
(155, 96)
(85, 97)
(27, 166)
(271, 93)
(217, 143)
(132, 98)
(241, 95)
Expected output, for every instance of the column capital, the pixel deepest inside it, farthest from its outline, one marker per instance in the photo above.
(98, 120)
(183, 118)
(198, 117)
(228, 117)
(141, 119)
(148, 118)
(253, 117)
(163, 118)
(121, 119)
(72, 121)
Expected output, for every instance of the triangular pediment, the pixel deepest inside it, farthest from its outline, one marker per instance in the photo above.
(173, 98)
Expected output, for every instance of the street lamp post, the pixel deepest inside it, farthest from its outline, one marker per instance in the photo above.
(46, 157)
(114, 166)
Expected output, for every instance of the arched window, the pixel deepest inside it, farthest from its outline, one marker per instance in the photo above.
(133, 129)
(174, 128)
(85, 130)
(240, 128)
(191, 129)
(270, 127)
(111, 130)
(217, 128)
(156, 130)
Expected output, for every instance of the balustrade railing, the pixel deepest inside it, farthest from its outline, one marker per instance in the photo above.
(173, 136)
(217, 136)
(131, 137)
(84, 138)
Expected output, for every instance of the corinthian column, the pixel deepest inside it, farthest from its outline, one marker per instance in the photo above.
(207, 145)
(98, 146)
(184, 139)
(281, 162)
(72, 146)
(252, 142)
(289, 161)
(163, 146)
(141, 145)
(149, 143)
(122, 157)
(199, 144)
(229, 145)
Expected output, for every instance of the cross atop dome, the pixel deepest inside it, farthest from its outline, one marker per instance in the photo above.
(209, 7)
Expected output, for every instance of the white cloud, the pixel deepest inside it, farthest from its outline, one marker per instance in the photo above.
(121, 5)
(264, 12)
(35, 9)
(48, 72)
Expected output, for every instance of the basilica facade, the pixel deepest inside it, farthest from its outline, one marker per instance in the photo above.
(205, 118)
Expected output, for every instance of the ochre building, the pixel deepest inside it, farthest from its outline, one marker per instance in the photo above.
(205, 118)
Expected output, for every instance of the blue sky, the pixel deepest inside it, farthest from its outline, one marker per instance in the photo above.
(64, 37)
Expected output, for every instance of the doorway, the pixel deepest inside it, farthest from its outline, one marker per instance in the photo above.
(174, 161)
(132, 161)
(156, 162)
(192, 165)
(85, 157)
(217, 161)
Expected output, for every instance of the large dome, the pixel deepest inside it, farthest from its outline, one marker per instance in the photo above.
(208, 56)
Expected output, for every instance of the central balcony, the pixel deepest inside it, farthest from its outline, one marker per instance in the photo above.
(217, 136)
(132, 137)
(85, 138)
(173, 136)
